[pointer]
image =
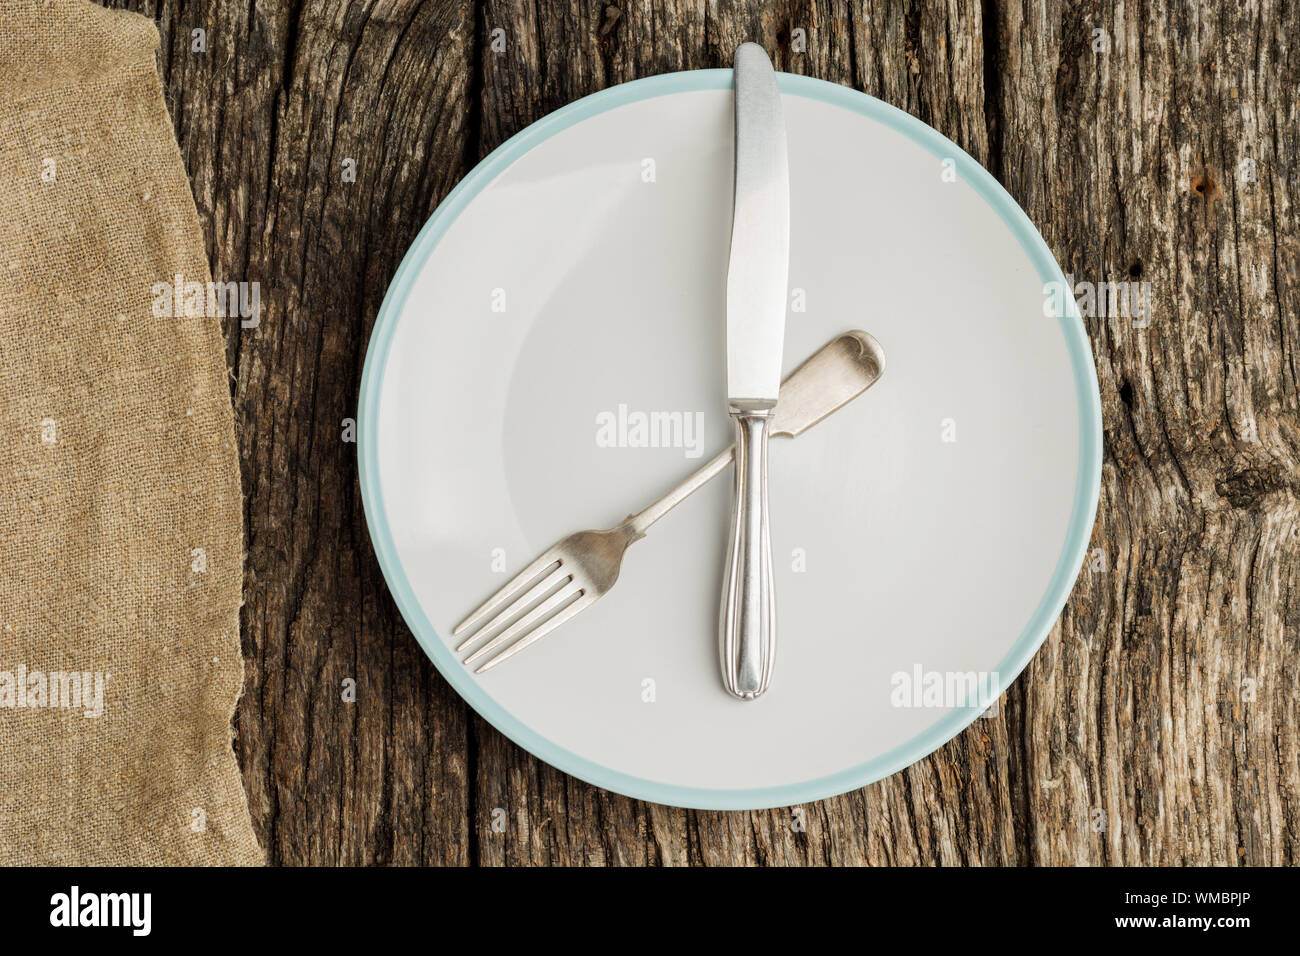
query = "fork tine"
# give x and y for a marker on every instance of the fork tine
(528, 620)
(549, 582)
(584, 601)
(545, 563)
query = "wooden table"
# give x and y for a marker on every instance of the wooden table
(1155, 142)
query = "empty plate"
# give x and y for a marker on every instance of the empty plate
(550, 357)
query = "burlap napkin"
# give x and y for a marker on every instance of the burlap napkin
(120, 520)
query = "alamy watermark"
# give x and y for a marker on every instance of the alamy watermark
(633, 429)
(75, 908)
(67, 690)
(193, 300)
(1125, 299)
(943, 689)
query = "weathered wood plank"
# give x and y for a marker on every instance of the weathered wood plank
(1139, 714)
(266, 117)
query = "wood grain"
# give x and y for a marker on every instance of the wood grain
(1159, 722)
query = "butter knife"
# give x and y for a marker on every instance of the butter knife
(757, 273)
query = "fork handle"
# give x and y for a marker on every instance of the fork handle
(747, 622)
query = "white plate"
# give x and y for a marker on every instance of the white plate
(899, 551)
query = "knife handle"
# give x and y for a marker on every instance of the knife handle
(747, 623)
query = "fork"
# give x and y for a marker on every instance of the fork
(579, 570)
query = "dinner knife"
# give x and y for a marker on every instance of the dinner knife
(756, 300)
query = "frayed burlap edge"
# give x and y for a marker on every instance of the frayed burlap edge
(120, 508)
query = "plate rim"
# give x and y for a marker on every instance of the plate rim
(953, 721)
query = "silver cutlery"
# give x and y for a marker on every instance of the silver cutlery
(756, 301)
(577, 571)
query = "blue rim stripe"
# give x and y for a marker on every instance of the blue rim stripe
(1087, 485)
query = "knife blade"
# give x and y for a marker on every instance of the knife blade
(758, 267)
(757, 272)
